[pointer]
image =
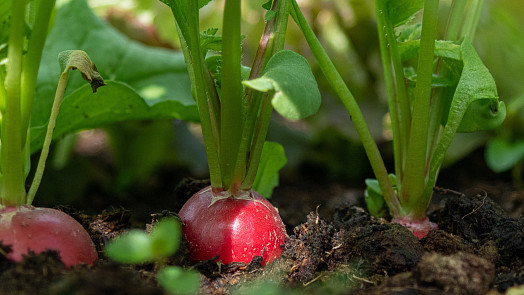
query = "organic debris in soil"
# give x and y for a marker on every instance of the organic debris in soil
(480, 221)
(373, 245)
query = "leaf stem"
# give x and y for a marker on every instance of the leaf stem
(12, 183)
(258, 141)
(398, 103)
(62, 83)
(231, 117)
(471, 22)
(414, 179)
(338, 85)
(188, 33)
(32, 59)
(271, 42)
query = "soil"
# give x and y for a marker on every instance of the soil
(334, 247)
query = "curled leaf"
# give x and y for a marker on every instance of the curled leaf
(476, 88)
(79, 60)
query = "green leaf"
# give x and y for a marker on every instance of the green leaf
(502, 155)
(289, 75)
(409, 32)
(475, 83)
(133, 247)
(152, 81)
(448, 49)
(81, 110)
(483, 114)
(273, 159)
(475, 103)
(399, 12)
(436, 80)
(210, 41)
(178, 281)
(374, 198)
(165, 237)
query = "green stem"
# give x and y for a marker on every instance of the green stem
(394, 101)
(13, 191)
(188, 32)
(253, 139)
(472, 20)
(337, 83)
(442, 97)
(231, 117)
(32, 59)
(455, 20)
(258, 142)
(415, 173)
(62, 83)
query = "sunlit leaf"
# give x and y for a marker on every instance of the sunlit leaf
(133, 247)
(289, 75)
(165, 237)
(179, 281)
(152, 82)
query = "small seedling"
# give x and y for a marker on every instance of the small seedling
(136, 247)
(22, 226)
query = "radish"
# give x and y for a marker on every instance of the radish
(28, 228)
(23, 227)
(234, 229)
(230, 219)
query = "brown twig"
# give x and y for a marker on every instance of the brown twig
(446, 191)
(477, 208)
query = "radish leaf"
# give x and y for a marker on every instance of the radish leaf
(272, 160)
(152, 81)
(502, 155)
(289, 75)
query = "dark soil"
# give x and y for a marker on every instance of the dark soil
(339, 249)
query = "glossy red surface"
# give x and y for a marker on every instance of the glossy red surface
(234, 229)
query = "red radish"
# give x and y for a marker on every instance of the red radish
(234, 229)
(419, 227)
(38, 229)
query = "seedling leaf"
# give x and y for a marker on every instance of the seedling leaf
(374, 198)
(133, 247)
(178, 281)
(289, 75)
(165, 237)
(272, 160)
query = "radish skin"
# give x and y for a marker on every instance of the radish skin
(236, 230)
(38, 229)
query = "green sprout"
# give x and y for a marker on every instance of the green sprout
(137, 247)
